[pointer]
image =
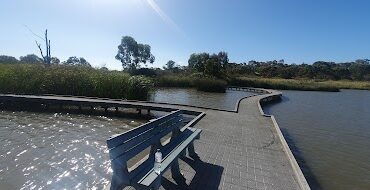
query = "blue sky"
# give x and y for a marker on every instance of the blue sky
(295, 30)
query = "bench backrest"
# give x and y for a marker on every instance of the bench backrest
(125, 146)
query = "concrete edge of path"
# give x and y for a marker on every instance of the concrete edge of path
(273, 95)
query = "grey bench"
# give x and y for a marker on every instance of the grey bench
(127, 145)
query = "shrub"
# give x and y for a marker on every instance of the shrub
(138, 87)
(210, 85)
(174, 81)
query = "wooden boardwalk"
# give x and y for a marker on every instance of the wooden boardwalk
(243, 149)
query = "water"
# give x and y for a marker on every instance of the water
(226, 101)
(56, 151)
(331, 132)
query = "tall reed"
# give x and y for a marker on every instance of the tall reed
(71, 80)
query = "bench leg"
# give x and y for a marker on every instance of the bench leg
(119, 177)
(157, 183)
(117, 183)
(175, 171)
(192, 152)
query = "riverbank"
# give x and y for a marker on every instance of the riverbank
(300, 84)
(80, 80)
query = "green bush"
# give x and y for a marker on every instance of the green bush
(138, 87)
(174, 81)
(210, 85)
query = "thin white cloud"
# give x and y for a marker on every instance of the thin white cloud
(164, 16)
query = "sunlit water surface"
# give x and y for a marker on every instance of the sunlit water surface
(56, 151)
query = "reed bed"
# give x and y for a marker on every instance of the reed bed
(71, 80)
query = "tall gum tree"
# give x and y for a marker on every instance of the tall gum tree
(132, 54)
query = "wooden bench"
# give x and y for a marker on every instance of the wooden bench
(141, 175)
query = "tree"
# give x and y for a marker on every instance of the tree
(76, 61)
(131, 53)
(170, 65)
(8, 59)
(47, 57)
(213, 65)
(197, 62)
(223, 59)
(30, 58)
(54, 60)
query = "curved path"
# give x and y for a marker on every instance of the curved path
(241, 150)
(238, 150)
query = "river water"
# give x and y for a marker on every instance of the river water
(329, 133)
(56, 150)
(225, 101)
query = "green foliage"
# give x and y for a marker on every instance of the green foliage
(358, 70)
(212, 65)
(139, 87)
(74, 80)
(8, 59)
(210, 85)
(131, 53)
(31, 59)
(174, 81)
(200, 83)
(75, 61)
(170, 65)
(144, 71)
(54, 60)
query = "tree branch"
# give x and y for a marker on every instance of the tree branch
(39, 46)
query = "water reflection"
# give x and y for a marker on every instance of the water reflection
(193, 97)
(41, 150)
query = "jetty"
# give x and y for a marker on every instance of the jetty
(238, 149)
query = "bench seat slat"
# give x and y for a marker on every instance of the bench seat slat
(166, 150)
(114, 154)
(147, 135)
(151, 176)
(119, 139)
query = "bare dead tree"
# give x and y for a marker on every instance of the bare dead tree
(47, 57)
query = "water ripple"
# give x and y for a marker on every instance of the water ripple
(56, 151)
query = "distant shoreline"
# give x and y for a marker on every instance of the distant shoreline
(301, 84)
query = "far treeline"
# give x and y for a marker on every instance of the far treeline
(207, 72)
(218, 66)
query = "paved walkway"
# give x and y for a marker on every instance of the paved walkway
(237, 151)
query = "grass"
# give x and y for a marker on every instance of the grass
(71, 80)
(346, 84)
(299, 84)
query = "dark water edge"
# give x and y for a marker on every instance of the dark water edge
(298, 154)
